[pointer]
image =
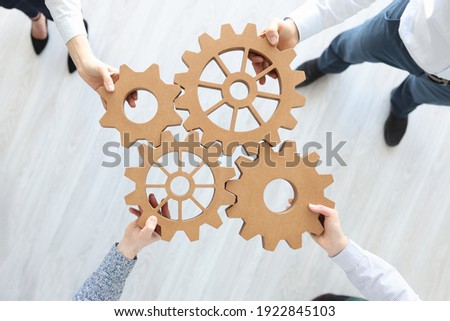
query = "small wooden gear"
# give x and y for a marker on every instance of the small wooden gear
(208, 214)
(308, 188)
(247, 42)
(128, 82)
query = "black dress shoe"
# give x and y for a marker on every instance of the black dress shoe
(39, 44)
(312, 72)
(70, 63)
(394, 129)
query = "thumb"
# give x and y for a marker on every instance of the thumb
(107, 80)
(151, 223)
(272, 32)
(320, 209)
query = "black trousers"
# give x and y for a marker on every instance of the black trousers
(29, 7)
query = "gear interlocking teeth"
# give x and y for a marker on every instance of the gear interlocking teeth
(308, 188)
(211, 50)
(128, 82)
(208, 215)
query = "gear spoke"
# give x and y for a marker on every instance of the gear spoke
(180, 210)
(222, 65)
(200, 206)
(155, 185)
(264, 72)
(210, 85)
(197, 168)
(256, 114)
(234, 119)
(165, 171)
(244, 59)
(160, 205)
(268, 95)
(213, 108)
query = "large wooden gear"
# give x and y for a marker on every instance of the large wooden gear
(248, 42)
(308, 188)
(208, 214)
(128, 82)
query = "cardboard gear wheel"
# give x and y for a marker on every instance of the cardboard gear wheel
(128, 82)
(208, 214)
(308, 188)
(248, 42)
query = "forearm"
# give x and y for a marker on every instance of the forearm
(373, 277)
(108, 281)
(79, 50)
(316, 15)
(68, 18)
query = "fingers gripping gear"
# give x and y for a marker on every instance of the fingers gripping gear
(208, 214)
(129, 82)
(249, 43)
(308, 188)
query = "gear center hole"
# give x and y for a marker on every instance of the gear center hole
(278, 195)
(239, 90)
(180, 186)
(145, 110)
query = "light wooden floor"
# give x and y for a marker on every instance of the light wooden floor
(61, 210)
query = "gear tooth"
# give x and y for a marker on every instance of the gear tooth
(290, 122)
(311, 159)
(289, 55)
(299, 76)
(232, 212)
(190, 124)
(327, 202)
(215, 221)
(182, 102)
(193, 136)
(288, 147)
(315, 228)
(229, 198)
(326, 180)
(153, 70)
(182, 79)
(103, 93)
(226, 30)
(243, 162)
(189, 58)
(174, 91)
(295, 243)
(231, 186)
(167, 136)
(246, 232)
(299, 100)
(193, 234)
(107, 121)
(125, 70)
(250, 30)
(133, 173)
(270, 244)
(205, 40)
(132, 198)
(167, 232)
(251, 149)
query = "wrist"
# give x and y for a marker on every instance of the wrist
(292, 29)
(80, 50)
(338, 246)
(127, 250)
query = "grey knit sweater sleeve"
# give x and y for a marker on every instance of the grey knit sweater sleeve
(108, 281)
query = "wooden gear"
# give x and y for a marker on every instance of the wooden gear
(128, 82)
(209, 214)
(308, 188)
(248, 42)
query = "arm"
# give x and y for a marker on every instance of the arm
(69, 21)
(373, 277)
(315, 16)
(108, 281)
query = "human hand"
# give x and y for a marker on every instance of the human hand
(135, 237)
(332, 239)
(280, 33)
(93, 71)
